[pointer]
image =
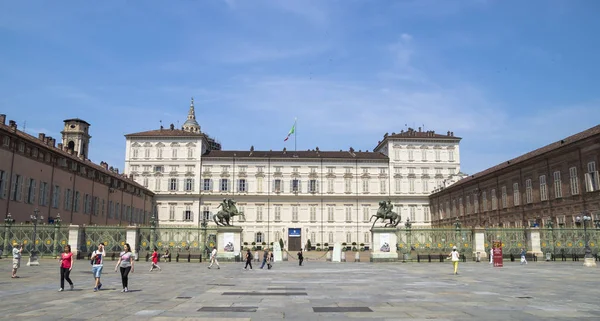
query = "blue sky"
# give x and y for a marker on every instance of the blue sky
(507, 76)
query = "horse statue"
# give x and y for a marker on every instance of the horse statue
(228, 211)
(385, 212)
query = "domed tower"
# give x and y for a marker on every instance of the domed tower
(76, 136)
(191, 125)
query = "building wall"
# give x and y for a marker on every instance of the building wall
(518, 191)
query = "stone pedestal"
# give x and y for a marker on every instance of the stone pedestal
(74, 239)
(384, 240)
(534, 245)
(589, 262)
(229, 239)
(277, 255)
(131, 237)
(479, 245)
(33, 259)
(336, 256)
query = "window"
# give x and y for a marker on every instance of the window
(366, 214)
(187, 215)
(68, 199)
(516, 195)
(259, 184)
(277, 213)
(528, 191)
(365, 185)
(330, 185)
(206, 169)
(76, 202)
(295, 185)
(189, 168)
(43, 200)
(117, 210)
(111, 209)
(426, 214)
(382, 170)
(313, 213)
(145, 182)
(135, 152)
(557, 185)
(173, 184)
(157, 184)
(312, 186)
(96, 207)
(494, 199)
(207, 184)
(484, 200)
(277, 186)
(365, 170)
(348, 214)
(171, 212)
(206, 213)
(102, 208)
(224, 169)
(451, 155)
(367, 237)
(174, 151)
(189, 184)
(190, 153)
(258, 237)
(146, 153)
(134, 168)
(174, 168)
(396, 155)
(294, 213)
(224, 186)
(56, 196)
(574, 181)
(383, 186)
(438, 156)
(475, 203)
(313, 237)
(242, 185)
(159, 169)
(398, 185)
(330, 170)
(330, 217)
(30, 188)
(259, 213)
(348, 185)
(3, 184)
(17, 184)
(348, 238)
(413, 216)
(330, 237)
(85, 203)
(159, 153)
(543, 188)
(592, 182)
(411, 155)
(424, 155)
(411, 185)
(146, 168)
(6, 141)
(468, 204)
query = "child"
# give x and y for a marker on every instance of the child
(155, 261)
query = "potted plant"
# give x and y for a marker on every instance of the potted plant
(308, 245)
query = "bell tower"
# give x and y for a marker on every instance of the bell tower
(75, 136)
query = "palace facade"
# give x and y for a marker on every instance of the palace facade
(550, 186)
(321, 196)
(59, 181)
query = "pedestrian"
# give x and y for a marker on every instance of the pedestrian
(265, 258)
(213, 258)
(248, 260)
(300, 258)
(97, 265)
(523, 259)
(455, 258)
(491, 255)
(125, 264)
(270, 260)
(66, 265)
(17, 250)
(155, 261)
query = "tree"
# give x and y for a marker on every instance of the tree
(308, 245)
(281, 243)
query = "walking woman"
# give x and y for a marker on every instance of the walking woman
(66, 265)
(248, 260)
(97, 265)
(125, 263)
(455, 258)
(155, 261)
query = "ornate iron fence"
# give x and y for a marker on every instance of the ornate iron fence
(569, 241)
(424, 241)
(49, 239)
(513, 239)
(113, 237)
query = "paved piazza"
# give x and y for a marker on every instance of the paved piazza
(316, 291)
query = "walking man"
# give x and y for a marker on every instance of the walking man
(300, 258)
(248, 260)
(491, 255)
(265, 257)
(523, 259)
(455, 256)
(17, 249)
(213, 258)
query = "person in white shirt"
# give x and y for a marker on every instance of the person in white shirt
(97, 265)
(16, 251)
(213, 258)
(455, 256)
(491, 255)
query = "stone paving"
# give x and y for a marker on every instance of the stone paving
(316, 291)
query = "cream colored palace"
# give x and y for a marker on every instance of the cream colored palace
(321, 196)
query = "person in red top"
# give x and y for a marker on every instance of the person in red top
(66, 264)
(155, 261)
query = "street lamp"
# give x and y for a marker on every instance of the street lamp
(457, 224)
(597, 221)
(33, 257)
(578, 219)
(204, 225)
(8, 221)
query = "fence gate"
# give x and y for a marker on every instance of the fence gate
(513, 239)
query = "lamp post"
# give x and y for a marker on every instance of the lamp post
(204, 225)
(588, 259)
(57, 221)
(8, 222)
(33, 256)
(152, 231)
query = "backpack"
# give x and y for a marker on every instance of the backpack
(250, 257)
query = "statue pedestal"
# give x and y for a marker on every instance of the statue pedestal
(33, 259)
(589, 262)
(229, 242)
(384, 240)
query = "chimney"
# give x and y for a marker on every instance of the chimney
(172, 127)
(106, 166)
(3, 119)
(41, 136)
(60, 146)
(13, 125)
(419, 129)
(45, 140)
(53, 142)
(70, 151)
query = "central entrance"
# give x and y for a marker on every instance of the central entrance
(294, 239)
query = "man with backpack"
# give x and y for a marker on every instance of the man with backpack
(248, 260)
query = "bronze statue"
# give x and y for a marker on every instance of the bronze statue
(228, 211)
(385, 212)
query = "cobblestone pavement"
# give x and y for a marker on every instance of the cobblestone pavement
(316, 291)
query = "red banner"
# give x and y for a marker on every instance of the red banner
(498, 254)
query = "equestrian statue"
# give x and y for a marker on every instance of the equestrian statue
(385, 212)
(227, 212)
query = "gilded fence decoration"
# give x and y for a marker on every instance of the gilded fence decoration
(513, 239)
(113, 237)
(568, 241)
(423, 241)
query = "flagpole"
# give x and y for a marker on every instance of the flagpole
(295, 130)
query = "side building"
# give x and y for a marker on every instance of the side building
(60, 181)
(296, 196)
(550, 186)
